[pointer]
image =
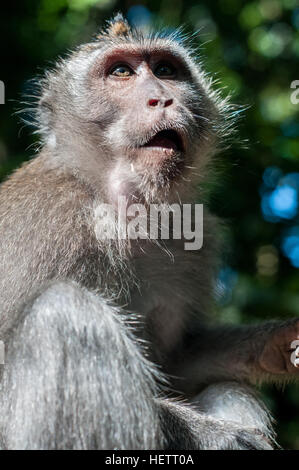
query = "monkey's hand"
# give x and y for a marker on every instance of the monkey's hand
(280, 354)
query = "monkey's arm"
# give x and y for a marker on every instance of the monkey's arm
(250, 353)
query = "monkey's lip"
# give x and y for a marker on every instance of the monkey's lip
(168, 139)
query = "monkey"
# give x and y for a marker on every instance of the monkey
(108, 340)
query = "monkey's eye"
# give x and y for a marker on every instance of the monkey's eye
(165, 70)
(122, 71)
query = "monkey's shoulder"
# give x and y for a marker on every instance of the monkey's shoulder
(39, 194)
(43, 212)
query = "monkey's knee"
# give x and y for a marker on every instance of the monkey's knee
(235, 402)
(187, 428)
(85, 383)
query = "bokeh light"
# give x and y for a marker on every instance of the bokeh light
(290, 245)
(281, 202)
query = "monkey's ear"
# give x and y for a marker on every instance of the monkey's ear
(118, 26)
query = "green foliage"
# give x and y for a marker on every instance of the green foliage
(251, 48)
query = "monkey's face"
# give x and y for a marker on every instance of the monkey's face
(143, 114)
(152, 118)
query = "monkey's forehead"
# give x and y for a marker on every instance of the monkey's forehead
(139, 37)
(145, 43)
(143, 46)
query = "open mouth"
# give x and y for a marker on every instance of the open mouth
(167, 139)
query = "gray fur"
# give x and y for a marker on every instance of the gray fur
(76, 369)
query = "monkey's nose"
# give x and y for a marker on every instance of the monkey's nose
(161, 102)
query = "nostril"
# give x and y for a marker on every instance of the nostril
(153, 102)
(168, 103)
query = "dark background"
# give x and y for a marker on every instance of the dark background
(252, 49)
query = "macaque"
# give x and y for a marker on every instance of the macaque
(108, 341)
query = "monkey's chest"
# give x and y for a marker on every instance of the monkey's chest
(160, 299)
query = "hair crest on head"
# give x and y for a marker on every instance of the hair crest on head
(116, 27)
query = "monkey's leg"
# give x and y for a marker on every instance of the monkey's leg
(74, 378)
(188, 428)
(235, 402)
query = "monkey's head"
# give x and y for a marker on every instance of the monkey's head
(133, 113)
